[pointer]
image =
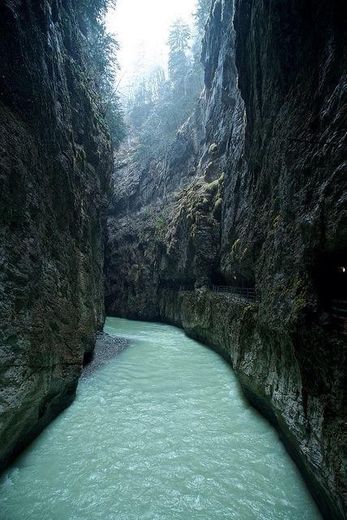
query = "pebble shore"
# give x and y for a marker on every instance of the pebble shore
(107, 347)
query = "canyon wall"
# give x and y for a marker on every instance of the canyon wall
(252, 195)
(55, 162)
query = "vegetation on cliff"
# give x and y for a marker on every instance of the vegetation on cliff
(161, 102)
(102, 48)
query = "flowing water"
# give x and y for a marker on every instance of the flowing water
(161, 432)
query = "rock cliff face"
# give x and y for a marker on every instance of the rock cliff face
(252, 195)
(55, 161)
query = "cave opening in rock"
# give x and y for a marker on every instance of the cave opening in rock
(331, 280)
(331, 277)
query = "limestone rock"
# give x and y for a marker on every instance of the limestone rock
(55, 161)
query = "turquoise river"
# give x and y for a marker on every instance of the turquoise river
(161, 432)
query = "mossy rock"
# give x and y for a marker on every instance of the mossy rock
(217, 210)
(213, 149)
(213, 187)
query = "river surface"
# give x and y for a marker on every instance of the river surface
(162, 432)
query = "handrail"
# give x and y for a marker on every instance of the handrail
(339, 313)
(247, 292)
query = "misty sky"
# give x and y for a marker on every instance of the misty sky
(142, 28)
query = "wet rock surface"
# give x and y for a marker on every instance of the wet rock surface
(55, 161)
(260, 202)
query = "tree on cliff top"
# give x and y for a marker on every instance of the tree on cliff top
(159, 106)
(179, 36)
(178, 41)
(103, 48)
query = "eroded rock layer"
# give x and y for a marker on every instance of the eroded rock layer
(55, 160)
(252, 195)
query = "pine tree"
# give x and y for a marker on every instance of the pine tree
(102, 48)
(178, 41)
(158, 107)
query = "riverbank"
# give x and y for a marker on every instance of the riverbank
(106, 348)
(162, 431)
(264, 359)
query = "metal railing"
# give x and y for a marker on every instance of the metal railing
(246, 292)
(339, 313)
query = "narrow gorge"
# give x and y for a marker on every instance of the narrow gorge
(252, 195)
(234, 231)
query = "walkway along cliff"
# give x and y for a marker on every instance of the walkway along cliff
(251, 195)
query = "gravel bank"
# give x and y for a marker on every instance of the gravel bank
(107, 347)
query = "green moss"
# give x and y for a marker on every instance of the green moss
(160, 227)
(217, 210)
(276, 221)
(213, 148)
(235, 248)
(212, 187)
